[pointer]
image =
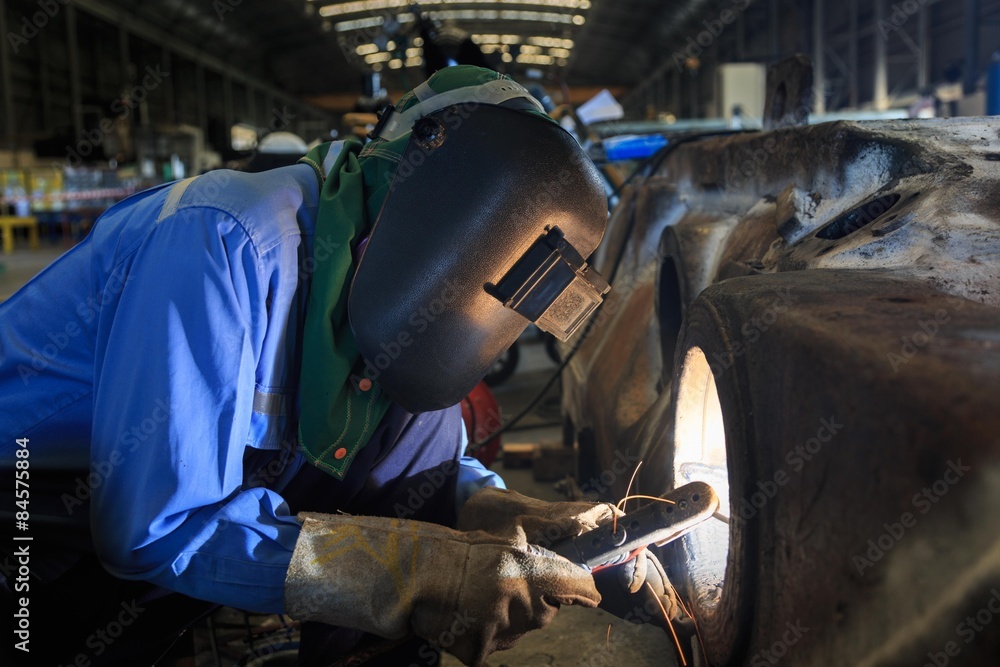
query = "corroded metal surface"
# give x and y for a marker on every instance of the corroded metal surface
(884, 239)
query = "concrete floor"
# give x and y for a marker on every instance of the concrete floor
(20, 266)
(577, 637)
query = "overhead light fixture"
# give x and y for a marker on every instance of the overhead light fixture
(360, 24)
(551, 42)
(396, 63)
(466, 15)
(366, 49)
(531, 59)
(362, 6)
(495, 39)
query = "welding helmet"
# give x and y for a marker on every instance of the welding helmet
(487, 220)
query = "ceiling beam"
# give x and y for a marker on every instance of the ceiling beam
(159, 37)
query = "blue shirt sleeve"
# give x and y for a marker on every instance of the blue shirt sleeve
(473, 476)
(174, 382)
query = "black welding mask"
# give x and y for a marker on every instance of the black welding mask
(489, 218)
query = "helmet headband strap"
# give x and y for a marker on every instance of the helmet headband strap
(393, 124)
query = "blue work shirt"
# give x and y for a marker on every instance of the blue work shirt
(157, 353)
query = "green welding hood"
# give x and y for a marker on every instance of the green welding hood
(486, 226)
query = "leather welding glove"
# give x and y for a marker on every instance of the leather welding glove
(624, 592)
(470, 593)
(622, 587)
(501, 512)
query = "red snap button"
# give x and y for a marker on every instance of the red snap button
(340, 453)
(365, 384)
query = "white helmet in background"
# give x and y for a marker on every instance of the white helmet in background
(282, 143)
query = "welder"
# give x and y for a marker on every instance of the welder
(258, 376)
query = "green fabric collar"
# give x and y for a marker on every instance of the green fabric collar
(338, 407)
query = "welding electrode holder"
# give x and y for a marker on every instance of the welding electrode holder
(656, 523)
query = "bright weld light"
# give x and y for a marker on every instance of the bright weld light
(700, 455)
(361, 6)
(366, 49)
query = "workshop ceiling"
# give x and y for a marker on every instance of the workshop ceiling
(280, 40)
(311, 47)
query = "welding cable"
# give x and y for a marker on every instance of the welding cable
(649, 165)
(653, 162)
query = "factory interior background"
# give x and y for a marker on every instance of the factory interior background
(832, 164)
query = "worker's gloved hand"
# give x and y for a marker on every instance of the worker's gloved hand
(623, 588)
(631, 590)
(502, 512)
(471, 593)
